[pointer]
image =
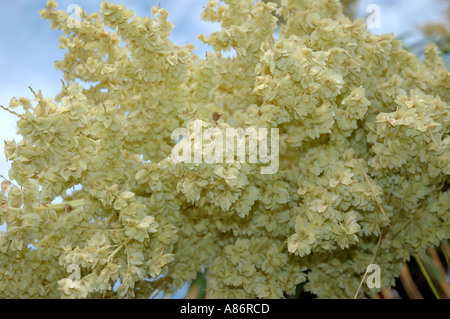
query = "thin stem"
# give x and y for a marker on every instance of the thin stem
(63, 206)
(31, 89)
(11, 111)
(367, 269)
(428, 279)
(289, 275)
(444, 248)
(373, 192)
(98, 230)
(440, 268)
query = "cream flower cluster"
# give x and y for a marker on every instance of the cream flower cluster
(363, 125)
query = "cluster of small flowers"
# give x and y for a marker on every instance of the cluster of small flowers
(361, 121)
